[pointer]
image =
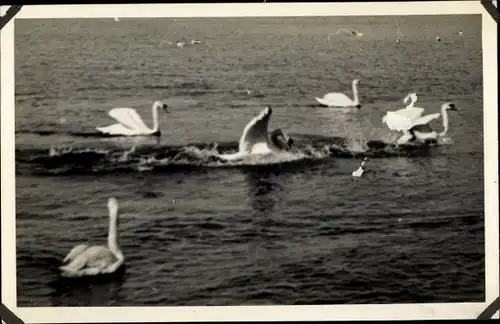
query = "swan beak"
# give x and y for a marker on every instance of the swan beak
(453, 107)
(165, 108)
(358, 106)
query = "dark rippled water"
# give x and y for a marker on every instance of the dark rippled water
(295, 229)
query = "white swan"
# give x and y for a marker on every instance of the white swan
(350, 32)
(131, 124)
(194, 41)
(180, 44)
(336, 99)
(255, 139)
(84, 260)
(420, 129)
(402, 119)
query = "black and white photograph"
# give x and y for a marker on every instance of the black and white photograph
(250, 161)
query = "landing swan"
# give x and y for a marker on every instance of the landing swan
(336, 99)
(255, 139)
(84, 260)
(416, 127)
(402, 119)
(131, 124)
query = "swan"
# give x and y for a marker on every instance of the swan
(401, 120)
(336, 99)
(347, 31)
(84, 260)
(438, 38)
(255, 139)
(193, 41)
(420, 129)
(180, 44)
(131, 124)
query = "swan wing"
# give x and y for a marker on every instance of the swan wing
(411, 112)
(117, 129)
(255, 132)
(322, 101)
(74, 252)
(397, 122)
(92, 261)
(129, 118)
(337, 99)
(426, 119)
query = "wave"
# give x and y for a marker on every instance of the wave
(108, 157)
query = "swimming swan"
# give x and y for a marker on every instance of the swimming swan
(131, 124)
(84, 260)
(336, 99)
(255, 139)
(420, 129)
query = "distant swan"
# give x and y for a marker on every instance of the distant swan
(193, 41)
(419, 126)
(336, 99)
(84, 260)
(131, 124)
(180, 44)
(255, 139)
(350, 32)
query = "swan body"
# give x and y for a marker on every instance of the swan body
(336, 99)
(84, 260)
(350, 32)
(402, 119)
(131, 124)
(255, 139)
(419, 125)
(180, 44)
(193, 41)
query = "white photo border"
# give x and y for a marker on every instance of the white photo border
(252, 313)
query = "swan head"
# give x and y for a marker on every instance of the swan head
(113, 207)
(161, 105)
(449, 106)
(281, 140)
(355, 81)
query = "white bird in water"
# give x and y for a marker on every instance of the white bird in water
(359, 171)
(438, 38)
(180, 44)
(193, 41)
(349, 32)
(255, 139)
(131, 124)
(393, 119)
(336, 99)
(416, 127)
(460, 33)
(84, 260)
(116, 19)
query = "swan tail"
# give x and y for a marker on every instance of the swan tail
(322, 101)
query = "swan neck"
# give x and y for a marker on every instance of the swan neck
(444, 113)
(155, 118)
(355, 93)
(113, 233)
